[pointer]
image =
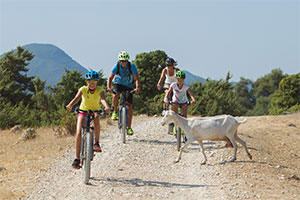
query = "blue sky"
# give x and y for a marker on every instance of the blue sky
(206, 37)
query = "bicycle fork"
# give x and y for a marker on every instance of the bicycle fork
(121, 115)
(83, 141)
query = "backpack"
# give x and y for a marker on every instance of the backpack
(129, 68)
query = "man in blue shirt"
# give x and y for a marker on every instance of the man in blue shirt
(122, 76)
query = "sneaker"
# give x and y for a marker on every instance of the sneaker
(129, 131)
(114, 116)
(76, 164)
(97, 147)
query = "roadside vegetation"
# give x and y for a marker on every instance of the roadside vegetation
(26, 101)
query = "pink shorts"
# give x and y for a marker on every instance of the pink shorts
(82, 114)
(182, 104)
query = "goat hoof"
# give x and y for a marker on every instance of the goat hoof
(203, 163)
(176, 161)
(250, 156)
(232, 160)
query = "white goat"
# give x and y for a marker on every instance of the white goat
(216, 128)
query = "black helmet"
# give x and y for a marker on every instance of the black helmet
(170, 61)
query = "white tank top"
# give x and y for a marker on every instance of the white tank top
(179, 95)
(170, 79)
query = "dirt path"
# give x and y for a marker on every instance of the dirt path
(144, 169)
(141, 169)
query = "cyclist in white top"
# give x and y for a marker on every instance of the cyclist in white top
(180, 91)
(168, 73)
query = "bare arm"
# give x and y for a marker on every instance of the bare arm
(104, 102)
(166, 99)
(161, 79)
(192, 96)
(110, 78)
(137, 82)
(74, 101)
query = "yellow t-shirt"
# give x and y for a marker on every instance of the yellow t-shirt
(90, 101)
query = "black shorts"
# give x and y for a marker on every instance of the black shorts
(120, 88)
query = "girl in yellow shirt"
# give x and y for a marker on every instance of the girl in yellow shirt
(90, 96)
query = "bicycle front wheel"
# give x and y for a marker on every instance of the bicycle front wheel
(88, 147)
(124, 124)
(178, 134)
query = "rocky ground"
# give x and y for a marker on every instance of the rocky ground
(144, 169)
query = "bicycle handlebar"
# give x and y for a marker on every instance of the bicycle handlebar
(130, 91)
(89, 112)
(173, 103)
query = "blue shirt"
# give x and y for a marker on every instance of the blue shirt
(124, 77)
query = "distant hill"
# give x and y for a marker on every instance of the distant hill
(191, 78)
(50, 62)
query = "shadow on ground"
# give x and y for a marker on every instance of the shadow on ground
(136, 182)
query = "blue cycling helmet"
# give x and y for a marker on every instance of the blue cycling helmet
(92, 75)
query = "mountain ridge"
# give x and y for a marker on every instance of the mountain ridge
(50, 62)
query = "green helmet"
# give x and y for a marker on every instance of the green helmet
(180, 74)
(123, 55)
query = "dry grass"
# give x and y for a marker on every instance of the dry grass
(22, 161)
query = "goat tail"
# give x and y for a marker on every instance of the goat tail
(243, 121)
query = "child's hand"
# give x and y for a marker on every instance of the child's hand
(158, 87)
(107, 110)
(137, 90)
(193, 102)
(166, 100)
(68, 107)
(109, 90)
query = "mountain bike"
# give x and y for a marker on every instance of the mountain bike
(123, 114)
(171, 125)
(179, 134)
(87, 138)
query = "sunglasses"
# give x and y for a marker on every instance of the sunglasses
(180, 80)
(91, 82)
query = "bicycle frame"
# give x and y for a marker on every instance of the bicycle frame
(123, 114)
(85, 130)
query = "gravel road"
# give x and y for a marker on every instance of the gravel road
(141, 169)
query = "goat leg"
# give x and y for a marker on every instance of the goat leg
(235, 148)
(243, 143)
(228, 143)
(202, 150)
(181, 149)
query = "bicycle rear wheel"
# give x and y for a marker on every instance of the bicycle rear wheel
(88, 151)
(178, 135)
(123, 124)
